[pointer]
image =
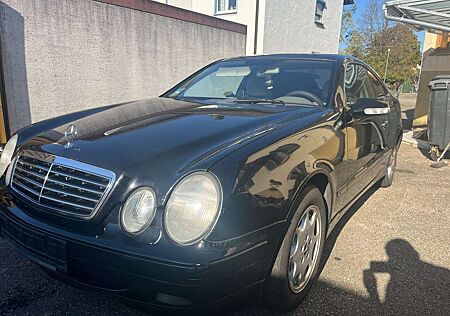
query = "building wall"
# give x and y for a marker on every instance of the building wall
(62, 56)
(245, 15)
(435, 41)
(290, 28)
(285, 26)
(184, 4)
(430, 41)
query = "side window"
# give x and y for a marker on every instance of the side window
(357, 83)
(377, 86)
(226, 6)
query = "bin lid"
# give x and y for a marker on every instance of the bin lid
(441, 77)
(440, 82)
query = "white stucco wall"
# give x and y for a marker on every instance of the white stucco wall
(290, 28)
(285, 26)
(184, 4)
(245, 15)
(63, 56)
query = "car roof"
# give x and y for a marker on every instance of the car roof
(334, 57)
(340, 59)
(331, 57)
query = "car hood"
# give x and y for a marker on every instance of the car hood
(161, 138)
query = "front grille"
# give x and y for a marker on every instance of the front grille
(61, 185)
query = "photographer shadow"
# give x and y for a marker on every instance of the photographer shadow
(415, 287)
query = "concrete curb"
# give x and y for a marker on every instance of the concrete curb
(408, 138)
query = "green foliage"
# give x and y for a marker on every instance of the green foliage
(356, 45)
(372, 37)
(404, 57)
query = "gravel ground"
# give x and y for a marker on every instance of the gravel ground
(388, 255)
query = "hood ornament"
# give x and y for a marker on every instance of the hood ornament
(70, 134)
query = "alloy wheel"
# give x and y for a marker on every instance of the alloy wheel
(305, 246)
(392, 163)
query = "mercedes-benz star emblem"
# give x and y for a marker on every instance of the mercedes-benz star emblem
(70, 134)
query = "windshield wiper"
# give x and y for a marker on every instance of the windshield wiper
(255, 101)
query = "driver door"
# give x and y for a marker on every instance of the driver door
(365, 136)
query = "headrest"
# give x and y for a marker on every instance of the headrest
(257, 87)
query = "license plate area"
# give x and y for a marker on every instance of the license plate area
(43, 249)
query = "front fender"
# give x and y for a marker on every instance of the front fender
(260, 187)
(326, 183)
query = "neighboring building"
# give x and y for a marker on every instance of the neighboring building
(278, 26)
(435, 41)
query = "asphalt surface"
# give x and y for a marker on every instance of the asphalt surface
(389, 255)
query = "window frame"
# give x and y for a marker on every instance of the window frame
(367, 84)
(227, 4)
(370, 72)
(320, 20)
(375, 77)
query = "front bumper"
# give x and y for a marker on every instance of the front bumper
(89, 261)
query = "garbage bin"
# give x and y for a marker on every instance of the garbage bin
(439, 113)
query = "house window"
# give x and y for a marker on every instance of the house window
(320, 7)
(226, 6)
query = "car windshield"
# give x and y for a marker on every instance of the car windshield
(253, 80)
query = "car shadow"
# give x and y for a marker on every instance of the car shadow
(331, 240)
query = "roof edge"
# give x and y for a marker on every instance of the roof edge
(169, 11)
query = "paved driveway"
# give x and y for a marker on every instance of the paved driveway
(389, 255)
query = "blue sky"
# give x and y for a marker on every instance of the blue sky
(362, 5)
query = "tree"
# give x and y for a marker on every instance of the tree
(356, 45)
(372, 20)
(347, 24)
(405, 52)
(373, 35)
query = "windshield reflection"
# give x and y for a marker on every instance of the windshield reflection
(278, 82)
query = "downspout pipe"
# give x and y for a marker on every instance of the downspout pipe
(255, 40)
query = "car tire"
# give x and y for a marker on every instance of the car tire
(390, 169)
(283, 291)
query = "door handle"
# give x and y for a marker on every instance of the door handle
(338, 125)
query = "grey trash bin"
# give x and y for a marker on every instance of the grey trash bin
(439, 114)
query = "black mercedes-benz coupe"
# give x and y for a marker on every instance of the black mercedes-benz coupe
(223, 188)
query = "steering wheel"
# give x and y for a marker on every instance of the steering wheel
(306, 95)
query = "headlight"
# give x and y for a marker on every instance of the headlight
(193, 208)
(138, 211)
(9, 172)
(7, 153)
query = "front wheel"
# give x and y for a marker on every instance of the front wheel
(298, 259)
(390, 169)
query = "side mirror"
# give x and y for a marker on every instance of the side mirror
(369, 107)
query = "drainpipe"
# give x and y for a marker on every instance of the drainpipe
(255, 41)
(6, 132)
